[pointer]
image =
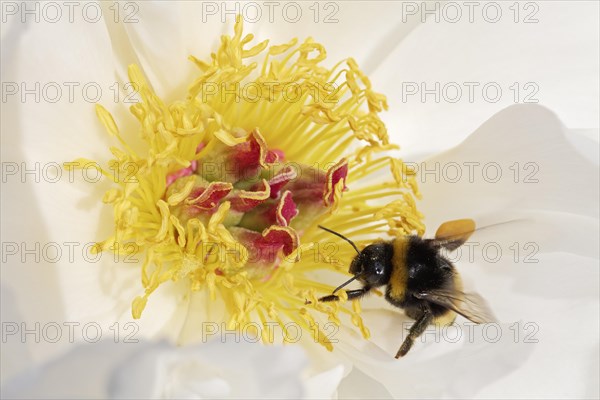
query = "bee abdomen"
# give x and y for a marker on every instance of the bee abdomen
(397, 286)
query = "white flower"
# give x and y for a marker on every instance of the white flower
(557, 296)
(159, 370)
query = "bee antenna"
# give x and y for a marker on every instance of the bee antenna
(344, 284)
(341, 236)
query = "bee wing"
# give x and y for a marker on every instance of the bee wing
(470, 305)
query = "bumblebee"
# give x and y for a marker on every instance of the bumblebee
(418, 278)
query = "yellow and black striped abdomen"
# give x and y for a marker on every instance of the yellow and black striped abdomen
(399, 277)
(418, 268)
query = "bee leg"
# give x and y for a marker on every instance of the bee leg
(352, 294)
(331, 297)
(415, 331)
(355, 294)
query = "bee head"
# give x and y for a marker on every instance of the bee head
(373, 266)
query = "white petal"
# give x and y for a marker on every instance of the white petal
(160, 36)
(51, 213)
(541, 307)
(166, 34)
(50, 120)
(83, 372)
(325, 384)
(562, 69)
(213, 370)
(52, 113)
(159, 370)
(15, 355)
(519, 160)
(586, 142)
(542, 285)
(358, 385)
(346, 29)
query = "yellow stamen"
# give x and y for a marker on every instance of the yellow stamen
(286, 101)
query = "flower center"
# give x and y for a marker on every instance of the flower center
(235, 179)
